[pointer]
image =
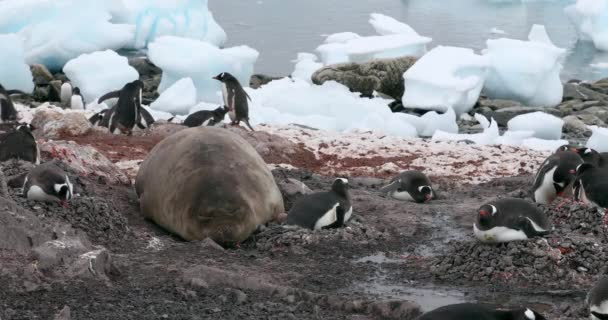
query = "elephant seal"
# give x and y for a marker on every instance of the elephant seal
(207, 182)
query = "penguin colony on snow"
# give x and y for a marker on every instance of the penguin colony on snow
(578, 173)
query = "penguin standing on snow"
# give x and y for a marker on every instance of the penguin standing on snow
(323, 210)
(235, 98)
(410, 186)
(20, 144)
(76, 101)
(510, 219)
(127, 112)
(473, 311)
(597, 300)
(595, 158)
(206, 117)
(591, 186)
(7, 108)
(49, 183)
(555, 176)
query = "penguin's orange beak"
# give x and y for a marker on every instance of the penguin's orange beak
(428, 197)
(483, 213)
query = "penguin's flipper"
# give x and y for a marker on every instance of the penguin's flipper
(247, 123)
(146, 116)
(340, 213)
(12, 92)
(393, 186)
(247, 95)
(109, 95)
(600, 316)
(525, 224)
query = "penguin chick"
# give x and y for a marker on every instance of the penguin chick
(323, 210)
(597, 300)
(510, 219)
(595, 158)
(410, 186)
(555, 176)
(48, 183)
(235, 98)
(206, 117)
(474, 311)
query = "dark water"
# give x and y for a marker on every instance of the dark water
(279, 29)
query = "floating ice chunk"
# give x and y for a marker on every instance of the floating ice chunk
(306, 65)
(488, 136)
(545, 126)
(385, 25)
(433, 121)
(59, 30)
(175, 57)
(99, 72)
(330, 106)
(599, 139)
(514, 138)
(525, 71)
(590, 18)
(445, 77)
(15, 74)
(497, 31)
(341, 37)
(178, 99)
(155, 18)
(543, 145)
(375, 47)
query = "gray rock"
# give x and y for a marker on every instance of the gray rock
(144, 67)
(502, 116)
(590, 119)
(582, 92)
(238, 296)
(395, 309)
(293, 187)
(95, 264)
(209, 244)
(572, 124)
(55, 90)
(258, 80)
(64, 314)
(381, 75)
(56, 252)
(41, 93)
(41, 74)
(601, 112)
(495, 104)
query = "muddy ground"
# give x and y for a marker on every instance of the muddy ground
(391, 254)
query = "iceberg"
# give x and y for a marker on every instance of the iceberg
(156, 18)
(175, 57)
(306, 65)
(385, 25)
(99, 72)
(59, 30)
(433, 121)
(599, 139)
(544, 126)
(330, 106)
(525, 71)
(488, 136)
(590, 17)
(445, 77)
(15, 74)
(177, 99)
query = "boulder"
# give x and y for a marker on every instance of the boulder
(582, 92)
(381, 75)
(207, 182)
(601, 112)
(258, 80)
(572, 124)
(41, 74)
(495, 104)
(56, 124)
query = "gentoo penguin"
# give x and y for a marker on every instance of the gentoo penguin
(555, 176)
(567, 147)
(591, 185)
(597, 300)
(510, 219)
(49, 183)
(474, 311)
(96, 118)
(235, 98)
(410, 186)
(7, 108)
(20, 144)
(323, 210)
(76, 101)
(127, 112)
(206, 117)
(66, 93)
(595, 158)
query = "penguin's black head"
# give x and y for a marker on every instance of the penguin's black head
(426, 192)
(485, 214)
(76, 91)
(25, 127)
(221, 77)
(527, 314)
(340, 186)
(566, 147)
(220, 111)
(589, 155)
(63, 192)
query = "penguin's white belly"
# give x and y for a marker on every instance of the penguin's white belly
(206, 122)
(403, 196)
(546, 192)
(66, 92)
(232, 115)
(76, 103)
(499, 234)
(328, 218)
(37, 194)
(602, 308)
(348, 214)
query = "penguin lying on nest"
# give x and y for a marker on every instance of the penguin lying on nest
(323, 210)
(47, 182)
(510, 219)
(591, 187)
(206, 117)
(597, 300)
(410, 186)
(473, 311)
(20, 144)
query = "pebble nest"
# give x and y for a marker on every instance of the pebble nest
(572, 256)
